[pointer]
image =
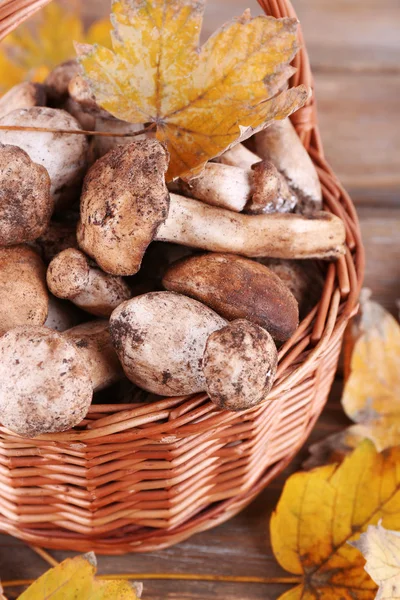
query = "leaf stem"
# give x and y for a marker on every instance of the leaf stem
(177, 577)
(78, 131)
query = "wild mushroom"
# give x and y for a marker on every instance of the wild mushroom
(57, 81)
(303, 278)
(239, 365)
(58, 236)
(124, 206)
(280, 144)
(24, 298)
(238, 156)
(195, 224)
(23, 95)
(270, 191)
(64, 156)
(26, 204)
(166, 346)
(71, 276)
(123, 202)
(47, 378)
(237, 288)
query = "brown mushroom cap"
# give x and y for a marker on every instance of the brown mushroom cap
(160, 339)
(44, 384)
(58, 80)
(237, 288)
(239, 364)
(124, 201)
(68, 273)
(71, 276)
(26, 204)
(24, 298)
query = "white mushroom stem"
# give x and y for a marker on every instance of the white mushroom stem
(71, 276)
(94, 343)
(280, 144)
(221, 185)
(238, 156)
(192, 223)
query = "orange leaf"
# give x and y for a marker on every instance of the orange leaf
(320, 511)
(202, 100)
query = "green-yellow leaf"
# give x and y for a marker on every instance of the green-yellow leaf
(74, 579)
(200, 99)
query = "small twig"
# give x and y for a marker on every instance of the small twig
(78, 131)
(178, 577)
(45, 555)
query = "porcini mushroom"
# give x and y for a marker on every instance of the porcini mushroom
(280, 144)
(123, 202)
(24, 298)
(71, 276)
(63, 156)
(239, 365)
(195, 224)
(166, 346)
(47, 378)
(124, 206)
(270, 191)
(239, 156)
(237, 288)
(26, 204)
(22, 95)
(57, 81)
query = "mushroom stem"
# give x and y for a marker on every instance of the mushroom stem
(94, 343)
(238, 156)
(71, 276)
(192, 223)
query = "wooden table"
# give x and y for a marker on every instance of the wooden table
(355, 53)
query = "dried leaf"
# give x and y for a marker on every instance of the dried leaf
(320, 511)
(381, 548)
(75, 578)
(201, 99)
(32, 51)
(371, 396)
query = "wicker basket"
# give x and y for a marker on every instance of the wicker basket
(136, 478)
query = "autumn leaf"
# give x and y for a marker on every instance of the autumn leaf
(371, 396)
(320, 511)
(200, 99)
(381, 548)
(33, 50)
(75, 578)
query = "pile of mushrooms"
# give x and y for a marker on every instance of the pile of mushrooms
(109, 275)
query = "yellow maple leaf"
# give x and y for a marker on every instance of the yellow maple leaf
(75, 578)
(320, 511)
(381, 548)
(33, 50)
(200, 99)
(371, 396)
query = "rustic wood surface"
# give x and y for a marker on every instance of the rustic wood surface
(355, 53)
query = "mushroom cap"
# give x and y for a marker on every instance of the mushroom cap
(160, 339)
(59, 78)
(236, 288)
(239, 365)
(124, 201)
(44, 383)
(26, 204)
(68, 273)
(23, 95)
(24, 298)
(63, 156)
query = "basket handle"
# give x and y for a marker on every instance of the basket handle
(15, 12)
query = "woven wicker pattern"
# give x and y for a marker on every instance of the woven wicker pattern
(15, 12)
(136, 478)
